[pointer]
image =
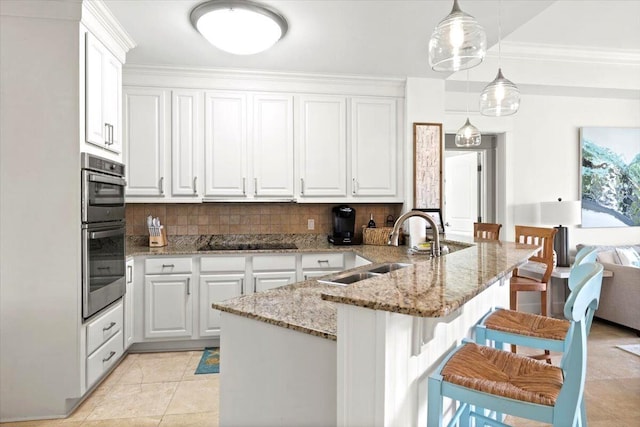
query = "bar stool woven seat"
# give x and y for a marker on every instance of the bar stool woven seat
(502, 373)
(532, 325)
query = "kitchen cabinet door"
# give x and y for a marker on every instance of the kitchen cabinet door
(168, 306)
(103, 77)
(263, 281)
(373, 147)
(225, 144)
(128, 306)
(186, 142)
(216, 288)
(323, 146)
(272, 146)
(145, 132)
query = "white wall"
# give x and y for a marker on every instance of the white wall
(424, 103)
(542, 154)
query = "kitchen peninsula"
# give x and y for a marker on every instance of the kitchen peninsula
(319, 354)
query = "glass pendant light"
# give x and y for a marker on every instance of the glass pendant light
(501, 97)
(458, 42)
(468, 135)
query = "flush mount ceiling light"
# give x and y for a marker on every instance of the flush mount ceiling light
(501, 97)
(457, 43)
(241, 27)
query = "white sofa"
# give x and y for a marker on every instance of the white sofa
(620, 297)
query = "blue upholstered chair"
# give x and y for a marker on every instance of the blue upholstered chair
(506, 383)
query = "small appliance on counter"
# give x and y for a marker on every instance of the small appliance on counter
(344, 221)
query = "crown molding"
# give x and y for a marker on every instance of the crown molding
(100, 21)
(566, 53)
(225, 78)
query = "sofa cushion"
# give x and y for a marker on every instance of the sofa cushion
(608, 256)
(628, 256)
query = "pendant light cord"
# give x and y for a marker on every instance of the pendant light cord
(499, 34)
(467, 94)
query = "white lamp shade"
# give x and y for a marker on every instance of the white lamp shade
(240, 27)
(560, 212)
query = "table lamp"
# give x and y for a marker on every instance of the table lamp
(562, 213)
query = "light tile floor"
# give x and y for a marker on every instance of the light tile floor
(160, 389)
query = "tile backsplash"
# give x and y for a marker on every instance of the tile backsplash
(249, 218)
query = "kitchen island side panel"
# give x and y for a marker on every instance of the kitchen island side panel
(271, 375)
(385, 358)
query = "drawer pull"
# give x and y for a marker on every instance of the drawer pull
(168, 266)
(320, 261)
(104, 268)
(111, 354)
(111, 325)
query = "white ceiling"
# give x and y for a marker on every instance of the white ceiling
(380, 38)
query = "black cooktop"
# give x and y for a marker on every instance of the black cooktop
(246, 246)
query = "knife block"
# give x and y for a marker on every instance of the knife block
(158, 240)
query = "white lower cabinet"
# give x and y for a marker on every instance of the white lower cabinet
(104, 343)
(321, 264)
(168, 303)
(266, 280)
(273, 271)
(221, 278)
(168, 306)
(175, 301)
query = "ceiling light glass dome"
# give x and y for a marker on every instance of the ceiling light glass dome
(241, 27)
(457, 43)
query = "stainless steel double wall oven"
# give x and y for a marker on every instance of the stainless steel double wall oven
(103, 233)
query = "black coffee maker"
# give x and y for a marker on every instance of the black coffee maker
(344, 220)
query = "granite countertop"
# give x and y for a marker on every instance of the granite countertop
(426, 288)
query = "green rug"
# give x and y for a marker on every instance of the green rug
(210, 361)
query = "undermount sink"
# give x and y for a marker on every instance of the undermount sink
(350, 278)
(388, 268)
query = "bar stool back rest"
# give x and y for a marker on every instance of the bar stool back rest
(538, 236)
(486, 230)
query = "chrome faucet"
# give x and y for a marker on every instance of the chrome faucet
(395, 234)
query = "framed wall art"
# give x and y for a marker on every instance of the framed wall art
(427, 165)
(610, 176)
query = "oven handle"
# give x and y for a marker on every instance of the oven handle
(107, 233)
(107, 179)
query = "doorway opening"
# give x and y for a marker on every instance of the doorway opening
(470, 184)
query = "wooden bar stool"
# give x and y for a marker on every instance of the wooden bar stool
(520, 283)
(486, 230)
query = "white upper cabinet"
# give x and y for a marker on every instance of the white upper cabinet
(186, 143)
(315, 141)
(323, 146)
(145, 131)
(272, 146)
(225, 147)
(102, 95)
(373, 147)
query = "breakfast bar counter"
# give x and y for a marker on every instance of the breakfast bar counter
(319, 354)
